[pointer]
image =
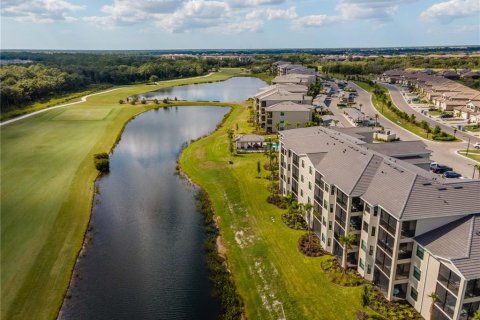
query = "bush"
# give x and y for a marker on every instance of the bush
(102, 162)
(121, 101)
(388, 309)
(309, 245)
(294, 221)
(277, 200)
(144, 101)
(335, 274)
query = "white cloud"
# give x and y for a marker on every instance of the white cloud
(348, 10)
(124, 12)
(272, 14)
(195, 14)
(40, 11)
(255, 3)
(452, 9)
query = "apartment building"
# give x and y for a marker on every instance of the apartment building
(302, 79)
(287, 115)
(276, 94)
(416, 233)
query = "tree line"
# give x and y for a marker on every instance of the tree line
(52, 74)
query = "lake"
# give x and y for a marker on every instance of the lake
(146, 259)
(233, 89)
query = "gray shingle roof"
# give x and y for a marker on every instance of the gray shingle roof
(289, 106)
(250, 138)
(399, 148)
(404, 190)
(459, 242)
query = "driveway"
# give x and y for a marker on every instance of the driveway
(442, 152)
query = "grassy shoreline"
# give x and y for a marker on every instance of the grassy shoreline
(273, 278)
(47, 181)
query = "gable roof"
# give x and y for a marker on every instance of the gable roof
(458, 242)
(289, 106)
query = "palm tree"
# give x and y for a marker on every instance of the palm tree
(286, 124)
(277, 125)
(335, 122)
(346, 241)
(297, 124)
(434, 298)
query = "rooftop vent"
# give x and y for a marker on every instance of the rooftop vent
(427, 184)
(442, 189)
(458, 187)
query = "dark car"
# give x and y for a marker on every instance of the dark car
(452, 174)
(446, 115)
(440, 168)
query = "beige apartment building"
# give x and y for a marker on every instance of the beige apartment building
(287, 115)
(277, 94)
(416, 233)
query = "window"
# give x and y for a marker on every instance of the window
(369, 269)
(325, 204)
(301, 192)
(413, 293)
(365, 226)
(323, 238)
(303, 164)
(326, 187)
(301, 177)
(309, 201)
(361, 264)
(329, 225)
(364, 246)
(324, 221)
(420, 252)
(329, 242)
(282, 114)
(374, 229)
(309, 185)
(417, 273)
(310, 170)
(370, 251)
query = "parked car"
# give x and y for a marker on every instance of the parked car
(446, 115)
(477, 145)
(439, 168)
(451, 174)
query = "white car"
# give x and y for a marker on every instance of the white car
(477, 145)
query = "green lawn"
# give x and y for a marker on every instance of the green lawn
(473, 154)
(47, 177)
(473, 128)
(365, 86)
(274, 279)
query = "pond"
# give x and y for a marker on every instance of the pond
(145, 258)
(233, 89)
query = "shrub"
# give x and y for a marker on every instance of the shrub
(309, 245)
(144, 101)
(294, 221)
(155, 101)
(336, 275)
(121, 101)
(362, 315)
(102, 162)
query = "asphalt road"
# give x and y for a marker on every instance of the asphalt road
(442, 152)
(400, 102)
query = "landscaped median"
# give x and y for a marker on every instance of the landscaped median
(47, 182)
(472, 154)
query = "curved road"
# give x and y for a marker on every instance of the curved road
(82, 100)
(400, 102)
(442, 152)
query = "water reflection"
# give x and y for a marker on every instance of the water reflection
(233, 89)
(146, 260)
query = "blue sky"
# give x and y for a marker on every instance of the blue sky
(183, 24)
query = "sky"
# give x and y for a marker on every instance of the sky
(236, 24)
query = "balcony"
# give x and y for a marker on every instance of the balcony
(355, 223)
(340, 217)
(403, 271)
(400, 291)
(408, 229)
(405, 251)
(357, 205)
(473, 289)
(388, 222)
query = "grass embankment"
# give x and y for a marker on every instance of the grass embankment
(274, 279)
(47, 181)
(473, 154)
